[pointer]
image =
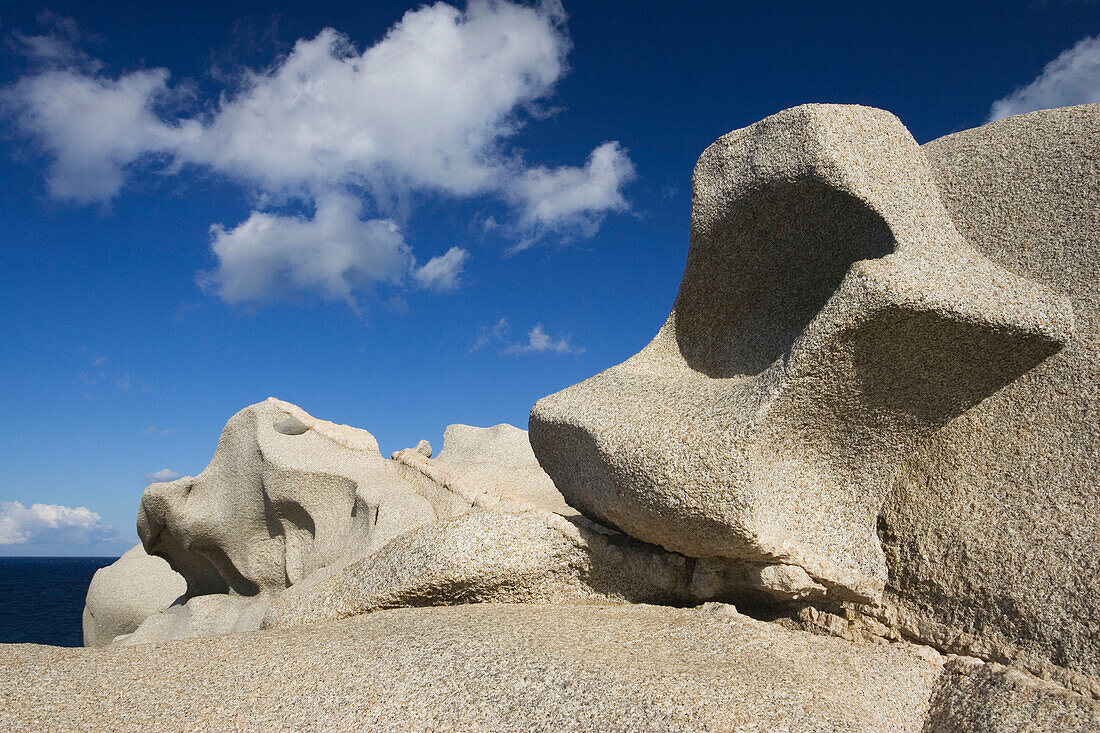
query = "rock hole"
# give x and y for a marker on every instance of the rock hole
(291, 426)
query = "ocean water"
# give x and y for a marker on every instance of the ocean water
(42, 598)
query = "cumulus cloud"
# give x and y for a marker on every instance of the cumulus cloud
(164, 474)
(270, 256)
(352, 135)
(1071, 78)
(50, 523)
(575, 196)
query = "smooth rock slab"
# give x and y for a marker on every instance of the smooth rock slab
(480, 667)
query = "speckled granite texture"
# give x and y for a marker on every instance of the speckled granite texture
(830, 318)
(480, 667)
(870, 421)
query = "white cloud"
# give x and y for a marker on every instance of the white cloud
(164, 474)
(442, 273)
(428, 108)
(539, 341)
(569, 196)
(270, 256)
(50, 523)
(1071, 78)
(93, 128)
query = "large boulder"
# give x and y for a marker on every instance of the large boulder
(482, 667)
(127, 592)
(992, 525)
(830, 318)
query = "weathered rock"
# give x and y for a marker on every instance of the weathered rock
(125, 593)
(480, 667)
(830, 318)
(977, 697)
(992, 527)
(497, 531)
(492, 555)
(508, 543)
(285, 495)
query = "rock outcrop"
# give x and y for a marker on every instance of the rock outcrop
(870, 422)
(992, 525)
(285, 495)
(830, 318)
(127, 592)
(299, 521)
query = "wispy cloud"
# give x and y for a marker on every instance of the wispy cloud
(102, 375)
(538, 340)
(158, 430)
(335, 144)
(51, 523)
(442, 273)
(489, 334)
(1071, 78)
(164, 474)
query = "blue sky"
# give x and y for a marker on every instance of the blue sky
(395, 216)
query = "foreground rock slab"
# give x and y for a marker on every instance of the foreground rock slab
(481, 667)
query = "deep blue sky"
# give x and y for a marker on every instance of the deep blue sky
(115, 364)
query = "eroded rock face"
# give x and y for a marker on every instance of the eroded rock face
(992, 525)
(510, 538)
(299, 521)
(127, 592)
(284, 496)
(830, 318)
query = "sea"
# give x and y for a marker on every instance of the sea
(42, 598)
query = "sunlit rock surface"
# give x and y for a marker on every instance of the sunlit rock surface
(830, 318)
(870, 423)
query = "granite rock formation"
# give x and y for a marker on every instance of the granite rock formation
(285, 495)
(830, 318)
(992, 525)
(299, 521)
(870, 422)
